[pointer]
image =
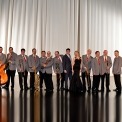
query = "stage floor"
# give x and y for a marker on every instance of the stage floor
(59, 106)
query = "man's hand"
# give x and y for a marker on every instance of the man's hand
(33, 68)
(10, 61)
(65, 71)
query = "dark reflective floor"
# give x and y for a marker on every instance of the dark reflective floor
(59, 106)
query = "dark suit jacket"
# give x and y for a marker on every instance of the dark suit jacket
(67, 63)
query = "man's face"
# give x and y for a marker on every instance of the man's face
(98, 54)
(48, 54)
(10, 50)
(43, 54)
(105, 53)
(67, 51)
(116, 54)
(1, 49)
(23, 52)
(34, 51)
(56, 54)
(89, 52)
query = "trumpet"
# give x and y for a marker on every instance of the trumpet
(58, 69)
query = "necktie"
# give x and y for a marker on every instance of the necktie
(87, 59)
(98, 61)
(105, 58)
(24, 58)
(35, 58)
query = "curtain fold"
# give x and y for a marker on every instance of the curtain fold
(58, 24)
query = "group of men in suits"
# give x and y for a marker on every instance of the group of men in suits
(62, 66)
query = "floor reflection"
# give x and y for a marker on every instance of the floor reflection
(28, 106)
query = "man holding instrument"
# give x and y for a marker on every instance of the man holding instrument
(2, 59)
(34, 64)
(11, 67)
(106, 64)
(22, 68)
(86, 69)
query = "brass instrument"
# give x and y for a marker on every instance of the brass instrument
(48, 60)
(37, 80)
(58, 68)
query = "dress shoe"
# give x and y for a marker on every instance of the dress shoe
(115, 89)
(108, 90)
(88, 90)
(26, 88)
(5, 87)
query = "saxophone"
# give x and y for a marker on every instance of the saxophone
(37, 80)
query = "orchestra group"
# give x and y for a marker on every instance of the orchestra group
(72, 74)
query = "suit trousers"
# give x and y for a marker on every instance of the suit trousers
(41, 78)
(96, 81)
(11, 75)
(68, 75)
(107, 76)
(60, 78)
(117, 80)
(87, 76)
(32, 80)
(48, 81)
(23, 77)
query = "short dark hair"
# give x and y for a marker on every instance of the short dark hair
(11, 48)
(97, 52)
(43, 51)
(68, 49)
(22, 49)
(33, 49)
(1, 47)
(116, 51)
(57, 52)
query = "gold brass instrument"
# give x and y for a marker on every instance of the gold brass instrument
(48, 60)
(37, 80)
(57, 67)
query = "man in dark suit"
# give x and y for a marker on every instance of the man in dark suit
(67, 67)
(11, 68)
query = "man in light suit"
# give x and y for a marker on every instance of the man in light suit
(117, 64)
(86, 69)
(106, 64)
(34, 64)
(42, 60)
(67, 67)
(22, 68)
(2, 58)
(58, 69)
(11, 67)
(96, 71)
(47, 70)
